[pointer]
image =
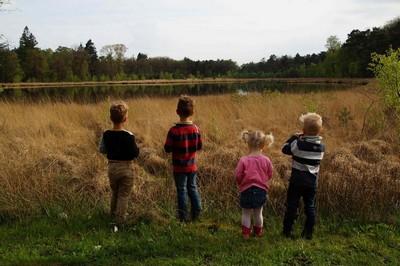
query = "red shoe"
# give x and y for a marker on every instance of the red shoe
(246, 231)
(258, 231)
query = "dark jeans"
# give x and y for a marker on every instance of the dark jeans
(187, 184)
(299, 189)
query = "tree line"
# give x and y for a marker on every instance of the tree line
(28, 62)
(350, 59)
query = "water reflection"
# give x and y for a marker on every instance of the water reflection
(99, 93)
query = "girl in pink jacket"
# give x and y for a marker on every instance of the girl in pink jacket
(253, 173)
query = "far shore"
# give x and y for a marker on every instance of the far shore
(29, 85)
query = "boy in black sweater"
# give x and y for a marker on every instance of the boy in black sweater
(120, 147)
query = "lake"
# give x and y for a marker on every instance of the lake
(90, 94)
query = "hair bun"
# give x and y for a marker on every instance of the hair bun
(245, 135)
(269, 139)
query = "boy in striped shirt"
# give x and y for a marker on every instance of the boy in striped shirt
(183, 141)
(307, 151)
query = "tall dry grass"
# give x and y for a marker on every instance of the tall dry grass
(49, 159)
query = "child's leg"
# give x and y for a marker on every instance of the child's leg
(258, 222)
(292, 204)
(309, 210)
(124, 183)
(114, 190)
(258, 217)
(114, 197)
(124, 191)
(181, 184)
(194, 195)
(246, 222)
(246, 217)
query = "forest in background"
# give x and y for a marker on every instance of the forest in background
(29, 63)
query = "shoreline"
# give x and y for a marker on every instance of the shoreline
(160, 82)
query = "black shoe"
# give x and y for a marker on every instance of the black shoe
(307, 235)
(288, 234)
(195, 216)
(183, 219)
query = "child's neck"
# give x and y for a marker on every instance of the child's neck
(255, 152)
(118, 126)
(185, 119)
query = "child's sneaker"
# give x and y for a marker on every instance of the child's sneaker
(288, 234)
(258, 231)
(246, 231)
(307, 234)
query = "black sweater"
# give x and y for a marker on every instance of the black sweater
(119, 145)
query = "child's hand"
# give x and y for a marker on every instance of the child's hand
(298, 134)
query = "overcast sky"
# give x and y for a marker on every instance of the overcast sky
(199, 29)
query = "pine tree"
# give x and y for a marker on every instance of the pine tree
(90, 49)
(27, 40)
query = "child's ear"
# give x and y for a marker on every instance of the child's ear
(177, 112)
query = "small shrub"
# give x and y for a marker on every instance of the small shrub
(344, 116)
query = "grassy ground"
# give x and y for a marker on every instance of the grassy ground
(90, 241)
(49, 159)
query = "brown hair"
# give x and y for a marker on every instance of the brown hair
(118, 112)
(257, 139)
(185, 106)
(312, 123)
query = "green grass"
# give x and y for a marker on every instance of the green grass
(90, 241)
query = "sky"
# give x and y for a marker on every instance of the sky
(243, 31)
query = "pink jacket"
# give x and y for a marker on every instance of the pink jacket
(253, 170)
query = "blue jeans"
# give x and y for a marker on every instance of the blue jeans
(186, 183)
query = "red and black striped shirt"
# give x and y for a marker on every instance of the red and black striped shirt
(183, 140)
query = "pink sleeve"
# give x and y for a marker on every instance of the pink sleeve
(269, 168)
(239, 172)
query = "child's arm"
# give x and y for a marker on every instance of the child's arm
(199, 142)
(287, 149)
(135, 148)
(169, 142)
(239, 172)
(270, 169)
(102, 146)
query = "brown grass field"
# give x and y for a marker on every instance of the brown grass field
(49, 159)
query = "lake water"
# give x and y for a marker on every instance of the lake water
(98, 93)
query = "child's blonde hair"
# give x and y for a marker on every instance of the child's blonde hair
(312, 123)
(257, 139)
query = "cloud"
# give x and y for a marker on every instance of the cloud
(241, 30)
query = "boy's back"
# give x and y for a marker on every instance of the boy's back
(307, 153)
(183, 140)
(119, 145)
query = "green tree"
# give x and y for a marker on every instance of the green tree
(9, 66)
(61, 64)
(386, 68)
(91, 51)
(141, 56)
(31, 59)
(27, 40)
(80, 65)
(35, 65)
(333, 43)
